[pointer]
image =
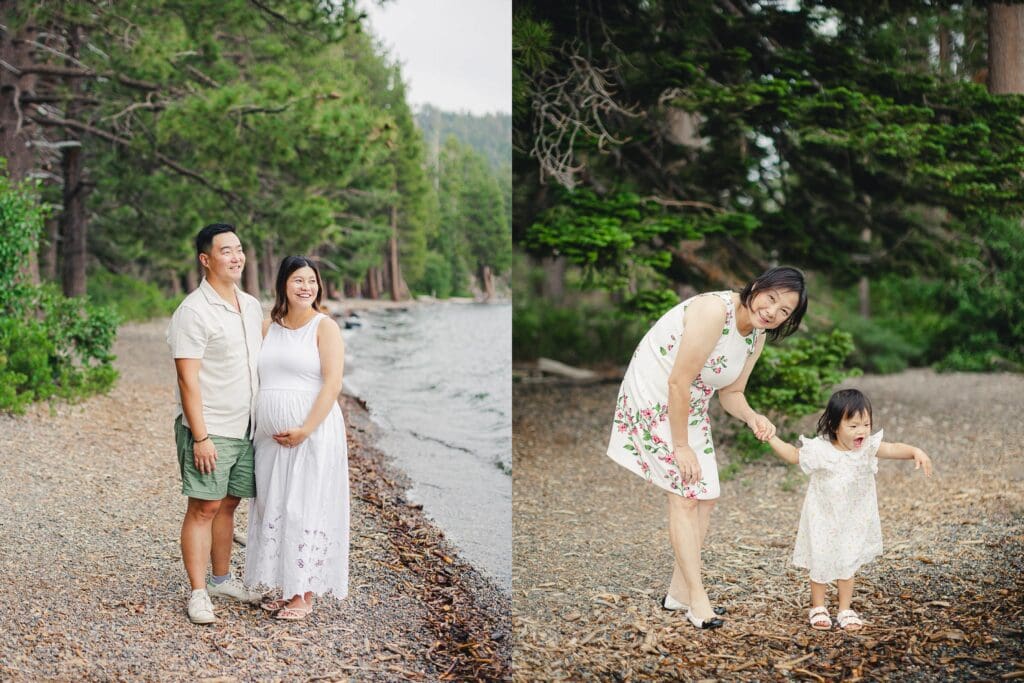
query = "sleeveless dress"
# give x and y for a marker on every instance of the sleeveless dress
(299, 521)
(641, 440)
(839, 525)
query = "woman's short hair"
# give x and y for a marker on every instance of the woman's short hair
(787, 279)
(844, 403)
(289, 264)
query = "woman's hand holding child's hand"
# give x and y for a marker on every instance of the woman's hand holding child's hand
(761, 426)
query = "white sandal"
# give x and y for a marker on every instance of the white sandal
(819, 619)
(848, 619)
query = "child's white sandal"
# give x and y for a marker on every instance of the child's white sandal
(848, 618)
(819, 618)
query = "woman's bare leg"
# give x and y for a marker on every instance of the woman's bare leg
(684, 530)
(678, 588)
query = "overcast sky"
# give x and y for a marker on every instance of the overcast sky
(455, 54)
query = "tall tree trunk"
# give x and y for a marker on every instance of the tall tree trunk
(372, 287)
(48, 250)
(73, 225)
(553, 284)
(269, 265)
(945, 47)
(864, 287)
(175, 282)
(487, 280)
(396, 283)
(1005, 49)
(351, 289)
(192, 279)
(13, 122)
(251, 274)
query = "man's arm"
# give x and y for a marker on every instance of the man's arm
(203, 451)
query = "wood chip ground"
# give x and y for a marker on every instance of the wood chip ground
(591, 558)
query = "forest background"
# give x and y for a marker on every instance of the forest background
(662, 149)
(127, 126)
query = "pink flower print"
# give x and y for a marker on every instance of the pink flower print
(623, 429)
(646, 413)
(657, 439)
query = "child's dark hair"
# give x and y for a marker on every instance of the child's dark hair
(843, 403)
(786, 279)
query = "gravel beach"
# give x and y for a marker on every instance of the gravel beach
(94, 588)
(591, 556)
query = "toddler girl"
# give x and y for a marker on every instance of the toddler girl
(839, 528)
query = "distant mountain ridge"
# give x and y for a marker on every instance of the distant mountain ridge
(490, 134)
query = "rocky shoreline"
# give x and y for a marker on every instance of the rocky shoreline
(93, 578)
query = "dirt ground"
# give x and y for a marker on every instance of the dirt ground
(93, 586)
(944, 602)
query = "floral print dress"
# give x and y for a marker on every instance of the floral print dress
(641, 439)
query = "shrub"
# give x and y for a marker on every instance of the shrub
(583, 334)
(791, 380)
(129, 297)
(50, 345)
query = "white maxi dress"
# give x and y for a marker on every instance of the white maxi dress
(299, 521)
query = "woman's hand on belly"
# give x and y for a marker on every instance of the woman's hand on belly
(291, 438)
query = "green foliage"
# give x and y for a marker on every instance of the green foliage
(490, 135)
(50, 345)
(759, 136)
(129, 297)
(472, 227)
(795, 378)
(986, 328)
(791, 380)
(577, 335)
(21, 223)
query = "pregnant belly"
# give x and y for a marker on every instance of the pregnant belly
(278, 410)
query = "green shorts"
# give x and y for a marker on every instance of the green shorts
(233, 475)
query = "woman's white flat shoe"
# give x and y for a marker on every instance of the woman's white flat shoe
(672, 605)
(703, 623)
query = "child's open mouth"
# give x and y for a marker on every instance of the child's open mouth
(858, 442)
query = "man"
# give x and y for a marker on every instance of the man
(215, 337)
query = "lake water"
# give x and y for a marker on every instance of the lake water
(437, 379)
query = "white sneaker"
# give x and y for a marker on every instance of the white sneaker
(200, 608)
(236, 590)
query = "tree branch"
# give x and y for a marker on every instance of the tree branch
(162, 158)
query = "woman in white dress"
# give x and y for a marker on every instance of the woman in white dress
(299, 520)
(839, 525)
(662, 431)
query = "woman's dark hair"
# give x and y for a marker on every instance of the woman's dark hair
(843, 403)
(786, 279)
(204, 239)
(289, 264)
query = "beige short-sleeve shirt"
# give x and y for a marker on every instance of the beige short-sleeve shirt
(227, 341)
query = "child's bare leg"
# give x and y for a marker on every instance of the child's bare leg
(678, 588)
(818, 594)
(845, 593)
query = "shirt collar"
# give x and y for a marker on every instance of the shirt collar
(215, 299)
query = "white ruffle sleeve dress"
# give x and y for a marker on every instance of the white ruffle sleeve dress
(839, 525)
